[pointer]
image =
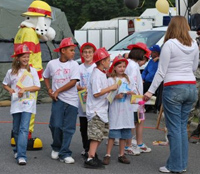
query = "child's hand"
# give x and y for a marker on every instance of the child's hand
(50, 93)
(130, 93)
(55, 95)
(119, 96)
(11, 91)
(113, 87)
(21, 92)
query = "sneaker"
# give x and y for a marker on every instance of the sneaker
(21, 161)
(184, 170)
(15, 155)
(134, 142)
(164, 170)
(68, 160)
(97, 158)
(93, 164)
(54, 155)
(123, 159)
(144, 148)
(84, 154)
(116, 142)
(132, 151)
(106, 160)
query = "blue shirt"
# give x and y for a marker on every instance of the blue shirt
(149, 71)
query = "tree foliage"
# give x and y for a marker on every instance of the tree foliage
(78, 12)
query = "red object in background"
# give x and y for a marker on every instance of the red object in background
(131, 27)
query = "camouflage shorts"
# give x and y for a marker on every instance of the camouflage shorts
(97, 129)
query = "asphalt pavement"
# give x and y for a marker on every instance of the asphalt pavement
(40, 161)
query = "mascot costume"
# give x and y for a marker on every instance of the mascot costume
(35, 26)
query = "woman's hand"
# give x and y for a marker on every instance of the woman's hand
(147, 96)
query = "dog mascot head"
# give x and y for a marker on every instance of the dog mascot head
(38, 16)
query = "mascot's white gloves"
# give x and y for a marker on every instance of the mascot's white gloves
(50, 35)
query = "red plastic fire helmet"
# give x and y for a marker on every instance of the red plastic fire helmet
(100, 54)
(66, 42)
(117, 59)
(81, 49)
(21, 49)
(141, 46)
(138, 45)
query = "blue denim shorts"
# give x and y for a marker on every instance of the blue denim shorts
(120, 133)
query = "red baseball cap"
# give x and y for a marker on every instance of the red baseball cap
(66, 42)
(21, 49)
(117, 59)
(81, 49)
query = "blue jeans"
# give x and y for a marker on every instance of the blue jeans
(177, 103)
(62, 125)
(20, 132)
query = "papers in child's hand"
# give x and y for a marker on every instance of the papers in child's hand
(136, 98)
(24, 80)
(82, 96)
(112, 94)
(15, 97)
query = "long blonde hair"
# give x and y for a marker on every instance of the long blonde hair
(114, 74)
(179, 29)
(16, 65)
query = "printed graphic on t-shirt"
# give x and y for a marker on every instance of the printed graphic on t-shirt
(84, 79)
(61, 76)
(124, 88)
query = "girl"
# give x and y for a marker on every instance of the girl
(121, 119)
(19, 82)
(138, 56)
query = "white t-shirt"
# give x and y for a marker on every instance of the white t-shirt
(133, 71)
(25, 104)
(61, 74)
(120, 110)
(85, 73)
(97, 106)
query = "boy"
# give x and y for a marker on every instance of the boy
(87, 51)
(65, 74)
(97, 106)
(151, 68)
(138, 56)
(149, 72)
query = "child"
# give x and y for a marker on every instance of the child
(97, 106)
(121, 119)
(23, 103)
(87, 50)
(138, 56)
(149, 72)
(65, 73)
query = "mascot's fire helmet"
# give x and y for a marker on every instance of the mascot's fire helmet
(38, 8)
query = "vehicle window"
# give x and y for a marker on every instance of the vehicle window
(150, 38)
